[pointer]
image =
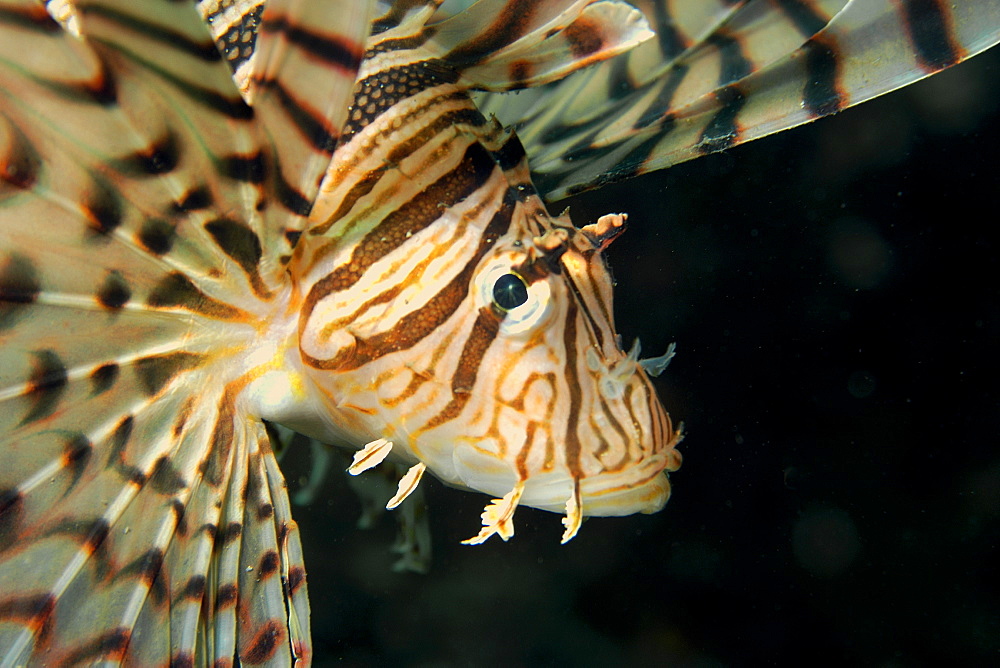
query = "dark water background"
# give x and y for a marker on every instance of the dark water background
(833, 292)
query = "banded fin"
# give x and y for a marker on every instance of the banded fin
(140, 198)
(720, 74)
(234, 25)
(505, 44)
(301, 86)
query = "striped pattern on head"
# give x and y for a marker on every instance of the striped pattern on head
(445, 310)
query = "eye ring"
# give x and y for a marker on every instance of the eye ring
(509, 292)
(523, 306)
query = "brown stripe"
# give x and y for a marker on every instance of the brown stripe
(242, 245)
(578, 299)
(226, 596)
(147, 568)
(179, 509)
(182, 660)
(110, 645)
(400, 152)
(445, 121)
(103, 377)
(314, 128)
(444, 248)
(342, 54)
(156, 371)
(183, 415)
(597, 272)
(584, 36)
(19, 285)
(103, 208)
(11, 520)
(615, 425)
(361, 187)
(395, 16)
(572, 442)
(33, 17)
(114, 292)
(202, 49)
(165, 478)
(175, 290)
(396, 228)
(214, 465)
(233, 531)
(627, 401)
(34, 609)
(462, 383)
(723, 130)
(48, 381)
(928, 25)
(268, 565)
(803, 15)
(521, 461)
(160, 156)
(157, 236)
(76, 455)
(510, 24)
(21, 165)
(822, 94)
(296, 578)
(264, 642)
(604, 446)
(420, 323)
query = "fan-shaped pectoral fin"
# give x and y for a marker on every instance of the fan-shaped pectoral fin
(498, 517)
(370, 456)
(574, 513)
(407, 484)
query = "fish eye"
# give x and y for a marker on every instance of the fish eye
(509, 292)
(523, 307)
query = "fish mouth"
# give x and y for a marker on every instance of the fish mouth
(643, 488)
(647, 497)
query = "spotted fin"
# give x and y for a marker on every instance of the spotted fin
(234, 25)
(144, 213)
(721, 73)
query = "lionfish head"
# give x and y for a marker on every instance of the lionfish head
(544, 407)
(482, 348)
(563, 415)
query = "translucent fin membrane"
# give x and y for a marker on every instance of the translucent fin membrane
(144, 213)
(720, 74)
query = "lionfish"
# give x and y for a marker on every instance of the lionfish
(223, 217)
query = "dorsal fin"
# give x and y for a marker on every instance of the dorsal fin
(722, 73)
(508, 44)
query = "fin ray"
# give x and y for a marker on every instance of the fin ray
(720, 74)
(144, 207)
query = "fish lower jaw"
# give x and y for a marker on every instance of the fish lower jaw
(643, 488)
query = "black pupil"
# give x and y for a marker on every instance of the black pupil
(509, 292)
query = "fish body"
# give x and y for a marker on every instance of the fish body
(329, 234)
